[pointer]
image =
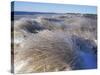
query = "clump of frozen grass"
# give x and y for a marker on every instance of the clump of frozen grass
(27, 25)
(46, 48)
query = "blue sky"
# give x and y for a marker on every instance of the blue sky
(51, 7)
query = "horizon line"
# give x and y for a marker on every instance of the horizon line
(55, 12)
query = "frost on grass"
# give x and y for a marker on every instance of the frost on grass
(55, 43)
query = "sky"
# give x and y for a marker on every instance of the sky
(52, 7)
